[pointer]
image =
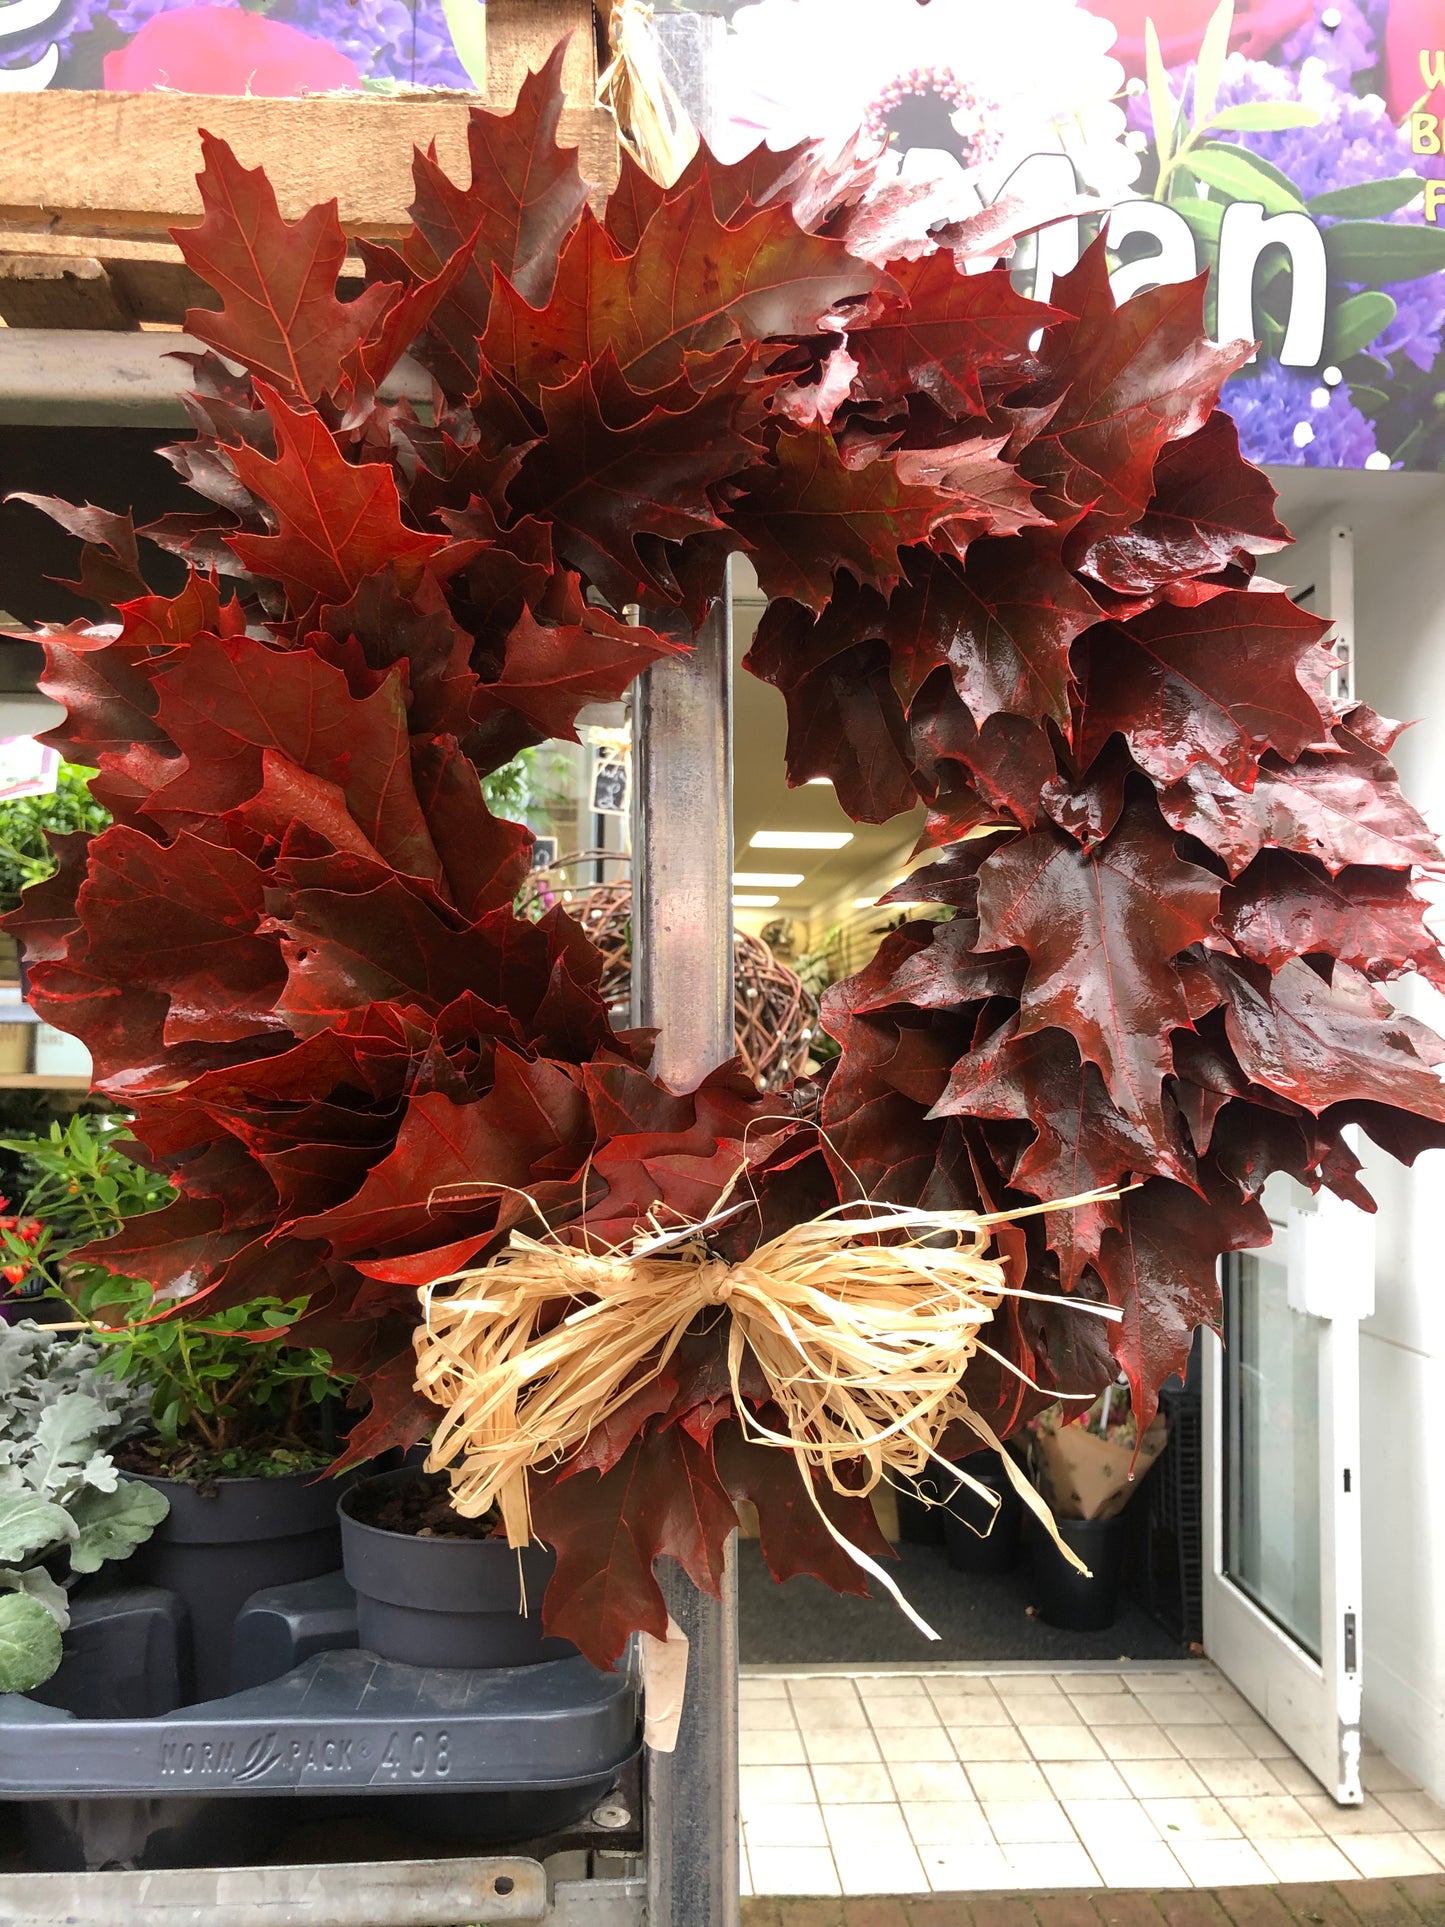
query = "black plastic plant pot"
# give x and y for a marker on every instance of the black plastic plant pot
(920, 1502)
(474, 1603)
(1065, 1597)
(224, 1540)
(978, 1536)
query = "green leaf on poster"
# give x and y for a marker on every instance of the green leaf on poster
(1367, 200)
(1265, 117)
(1245, 177)
(1376, 253)
(1356, 322)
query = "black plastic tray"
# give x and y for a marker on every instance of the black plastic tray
(339, 1723)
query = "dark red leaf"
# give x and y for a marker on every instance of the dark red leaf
(662, 1499)
(1101, 932)
(939, 333)
(337, 522)
(1215, 683)
(1287, 906)
(791, 1536)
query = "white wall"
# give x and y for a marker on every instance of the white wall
(1400, 624)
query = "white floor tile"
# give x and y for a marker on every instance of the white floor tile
(1433, 1843)
(946, 1686)
(840, 1746)
(1383, 1776)
(976, 1711)
(871, 1826)
(1077, 1685)
(1162, 1780)
(947, 1823)
(793, 1870)
(1261, 1740)
(777, 1746)
(904, 1715)
(1241, 1778)
(832, 1716)
(762, 1686)
(1372, 1817)
(1110, 1823)
(862, 1871)
(1142, 1742)
(766, 1716)
(902, 1746)
(1387, 1856)
(759, 1784)
(1417, 1812)
(892, 1686)
(1120, 1709)
(980, 1869)
(931, 1780)
(1271, 1817)
(1024, 1822)
(1213, 1743)
(1293, 1776)
(1221, 1863)
(788, 1824)
(1312, 1859)
(1051, 1864)
(1198, 1819)
(1085, 1780)
(853, 1785)
(1007, 1780)
(1026, 1685)
(981, 1743)
(1142, 1863)
(1061, 1742)
(1180, 1709)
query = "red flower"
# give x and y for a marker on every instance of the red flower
(225, 50)
(14, 1274)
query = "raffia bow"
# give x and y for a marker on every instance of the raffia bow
(862, 1322)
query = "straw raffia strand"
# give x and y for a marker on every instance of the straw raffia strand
(652, 122)
(862, 1321)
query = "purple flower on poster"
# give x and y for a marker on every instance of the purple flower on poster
(1288, 417)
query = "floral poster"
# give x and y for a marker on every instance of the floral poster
(1291, 148)
(273, 47)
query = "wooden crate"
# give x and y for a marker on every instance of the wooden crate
(90, 183)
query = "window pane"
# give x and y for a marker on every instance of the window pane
(1272, 1448)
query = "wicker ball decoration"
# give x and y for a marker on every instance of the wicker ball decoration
(774, 1017)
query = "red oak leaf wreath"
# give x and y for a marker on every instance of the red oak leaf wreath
(1009, 551)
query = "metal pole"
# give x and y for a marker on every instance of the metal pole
(682, 950)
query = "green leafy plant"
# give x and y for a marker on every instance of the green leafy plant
(62, 1499)
(80, 1184)
(223, 1394)
(226, 1395)
(25, 854)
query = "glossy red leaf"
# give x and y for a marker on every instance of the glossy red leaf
(337, 522)
(277, 279)
(662, 1499)
(1101, 932)
(940, 333)
(1215, 683)
(1123, 384)
(818, 514)
(1287, 906)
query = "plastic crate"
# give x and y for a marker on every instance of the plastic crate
(1169, 1573)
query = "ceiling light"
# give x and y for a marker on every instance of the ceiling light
(813, 782)
(767, 879)
(865, 903)
(753, 902)
(800, 839)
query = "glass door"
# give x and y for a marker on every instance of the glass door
(1282, 1572)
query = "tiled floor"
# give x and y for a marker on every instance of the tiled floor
(896, 1782)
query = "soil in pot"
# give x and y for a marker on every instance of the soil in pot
(980, 1537)
(434, 1589)
(226, 1538)
(1065, 1597)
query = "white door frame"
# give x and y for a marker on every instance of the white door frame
(1313, 1704)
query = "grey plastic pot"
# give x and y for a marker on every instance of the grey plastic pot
(224, 1540)
(474, 1603)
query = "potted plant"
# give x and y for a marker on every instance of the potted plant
(1088, 1464)
(65, 1510)
(436, 1589)
(236, 1424)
